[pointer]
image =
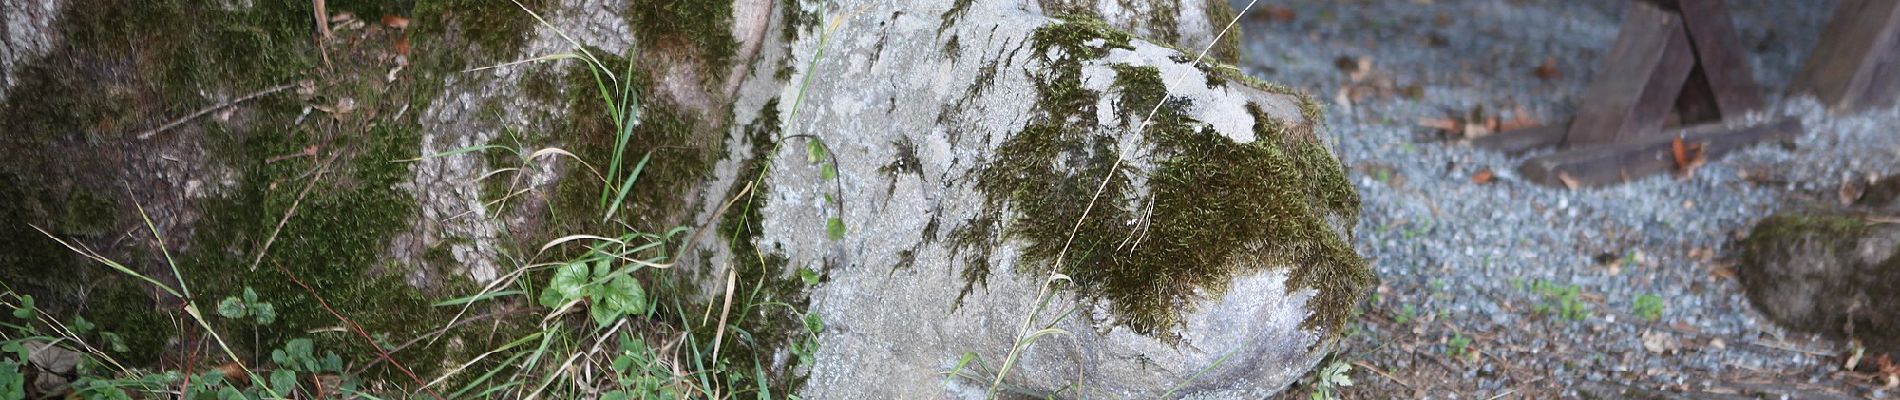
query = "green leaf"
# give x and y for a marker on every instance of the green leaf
(809, 276)
(834, 228)
(331, 362)
(569, 281)
(814, 323)
(814, 151)
(550, 298)
(475, 298)
(265, 313)
(26, 308)
(602, 268)
(602, 315)
(12, 381)
(616, 395)
(114, 342)
(827, 172)
(623, 294)
(80, 325)
(283, 380)
(230, 393)
(250, 296)
(231, 307)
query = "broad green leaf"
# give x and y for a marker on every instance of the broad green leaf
(569, 281)
(624, 295)
(282, 380)
(827, 172)
(602, 315)
(551, 298)
(250, 296)
(231, 307)
(834, 228)
(265, 313)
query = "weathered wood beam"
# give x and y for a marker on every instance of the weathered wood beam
(1519, 141)
(1620, 162)
(1842, 69)
(1720, 56)
(1634, 91)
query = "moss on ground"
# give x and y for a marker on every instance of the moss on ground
(1215, 208)
(69, 125)
(1227, 49)
(696, 27)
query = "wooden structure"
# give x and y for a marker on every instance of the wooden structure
(1857, 63)
(1674, 63)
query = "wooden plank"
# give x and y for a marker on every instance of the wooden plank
(1616, 163)
(1721, 57)
(1886, 82)
(1635, 89)
(1841, 69)
(1517, 142)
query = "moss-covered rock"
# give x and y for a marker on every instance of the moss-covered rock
(1831, 273)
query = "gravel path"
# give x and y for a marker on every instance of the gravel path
(1489, 267)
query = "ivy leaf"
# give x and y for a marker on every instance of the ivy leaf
(231, 307)
(834, 228)
(623, 295)
(26, 308)
(265, 313)
(814, 152)
(250, 296)
(569, 281)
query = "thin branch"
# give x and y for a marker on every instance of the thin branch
(213, 108)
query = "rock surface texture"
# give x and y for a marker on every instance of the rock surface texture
(969, 141)
(1830, 272)
(954, 176)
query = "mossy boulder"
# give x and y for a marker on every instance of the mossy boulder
(1829, 272)
(974, 152)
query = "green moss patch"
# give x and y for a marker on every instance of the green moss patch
(1215, 209)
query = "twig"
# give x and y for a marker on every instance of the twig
(312, 183)
(355, 328)
(1368, 366)
(208, 110)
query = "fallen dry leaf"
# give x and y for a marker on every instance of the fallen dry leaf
(1568, 181)
(395, 22)
(1688, 157)
(1280, 14)
(1483, 176)
(1660, 343)
(1520, 119)
(1548, 70)
(1850, 192)
(401, 46)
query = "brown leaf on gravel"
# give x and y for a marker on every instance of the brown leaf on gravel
(1688, 157)
(1356, 69)
(1569, 182)
(1548, 71)
(1520, 119)
(1280, 14)
(1483, 176)
(1850, 192)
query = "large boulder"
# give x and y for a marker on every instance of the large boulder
(953, 177)
(1828, 272)
(970, 143)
